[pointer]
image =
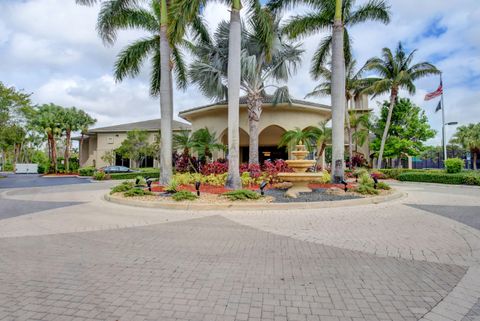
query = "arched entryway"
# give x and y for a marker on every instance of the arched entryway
(268, 141)
(244, 141)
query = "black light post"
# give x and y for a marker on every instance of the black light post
(149, 184)
(375, 182)
(262, 187)
(197, 187)
(345, 185)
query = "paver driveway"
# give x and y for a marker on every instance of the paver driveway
(99, 261)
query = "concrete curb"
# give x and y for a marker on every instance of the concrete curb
(241, 206)
(434, 184)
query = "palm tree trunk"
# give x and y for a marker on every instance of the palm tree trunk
(474, 155)
(349, 133)
(393, 98)
(54, 154)
(233, 178)
(338, 97)
(254, 112)
(67, 150)
(166, 103)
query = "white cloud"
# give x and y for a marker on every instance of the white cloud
(51, 48)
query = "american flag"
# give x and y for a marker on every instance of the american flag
(436, 93)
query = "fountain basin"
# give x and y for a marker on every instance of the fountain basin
(300, 165)
(299, 182)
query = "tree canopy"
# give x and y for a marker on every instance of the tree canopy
(408, 132)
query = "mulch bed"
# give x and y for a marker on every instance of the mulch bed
(212, 189)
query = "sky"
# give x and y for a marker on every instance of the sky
(50, 48)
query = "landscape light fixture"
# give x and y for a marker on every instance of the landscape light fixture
(262, 187)
(149, 184)
(197, 187)
(345, 185)
(452, 123)
(375, 182)
(137, 181)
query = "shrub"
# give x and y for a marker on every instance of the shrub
(366, 185)
(86, 171)
(366, 190)
(185, 163)
(359, 172)
(378, 175)
(184, 196)
(242, 194)
(383, 185)
(149, 174)
(272, 169)
(471, 179)
(454, 165)
(123, 187)
(140, 180)
(172, 186)
(215, 167)
(99, 176)
(136, 192)
(432, 177)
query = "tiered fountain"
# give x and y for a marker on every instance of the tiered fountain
(299, 178)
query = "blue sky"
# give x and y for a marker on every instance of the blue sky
(50, 48)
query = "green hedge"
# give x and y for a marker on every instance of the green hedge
(441, 177)
(149, 174)
(86, 171)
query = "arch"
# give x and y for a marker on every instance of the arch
(268, 141)
(270, 135)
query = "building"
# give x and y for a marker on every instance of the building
(274, 121)
(98, 141)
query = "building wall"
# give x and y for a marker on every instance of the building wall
(101, 143)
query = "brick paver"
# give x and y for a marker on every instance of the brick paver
(209, 269)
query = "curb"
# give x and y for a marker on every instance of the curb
(255, 206)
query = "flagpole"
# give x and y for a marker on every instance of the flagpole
(444, 138)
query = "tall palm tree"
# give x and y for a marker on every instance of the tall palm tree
(164, 53)
(354, 84)
(395, 72)
(262, 66)
(335, 15)
(188, 10)
(468, 136)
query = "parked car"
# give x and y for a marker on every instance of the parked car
(117, 169)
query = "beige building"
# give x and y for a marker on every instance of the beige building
(99, 141)
(274, 121)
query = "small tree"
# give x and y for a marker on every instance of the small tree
(109, 157)
(204, 143)
(408, 130)
(136, 146)
(468, 136)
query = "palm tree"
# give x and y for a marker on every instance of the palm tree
(47, 120)
(183, 140)
(335, 15)
(188, 10)
(396, 72)
(261, 65)
(204, 143)
(354, 84)
(360, 125)
(468, 136)
(70, 122)
(164, 52)
(308, 137)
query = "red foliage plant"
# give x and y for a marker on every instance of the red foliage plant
(273, 168)
(215, 167)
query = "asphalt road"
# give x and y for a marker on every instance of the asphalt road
(34, 180)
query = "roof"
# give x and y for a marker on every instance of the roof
(268, 99)
(148, 125)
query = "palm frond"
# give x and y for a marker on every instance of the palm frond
(374, 10)
(115, 15)
(130, 59)
(281, 95)
(306, 25)
(320, 56)
(179, 68)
